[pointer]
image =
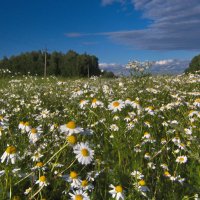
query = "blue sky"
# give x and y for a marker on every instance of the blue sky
(116, 31)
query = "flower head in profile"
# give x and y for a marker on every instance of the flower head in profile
(197, 102)
(96, 103)
(42, 181)
(71, 128)
(85, 185)
(142, 186)
(83, 153)
(9, 155)
(83, 103)
(73, 179)
(34, 134)
(24, 126)
(116, 105)
(117, 192)
(79, 195)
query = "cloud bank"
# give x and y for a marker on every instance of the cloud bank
(175, 26)
(169, 66)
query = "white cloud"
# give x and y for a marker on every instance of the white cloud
(164, 62)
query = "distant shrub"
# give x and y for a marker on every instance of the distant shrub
(194, 66)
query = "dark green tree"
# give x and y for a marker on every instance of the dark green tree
(194, 65)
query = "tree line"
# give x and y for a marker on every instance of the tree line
(70, 64)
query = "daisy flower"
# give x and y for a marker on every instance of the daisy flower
(85, 185)
(114, 127)
(83, 153)
(79, 195)
(96, 103)
(181, 159)
(117, 192)
(197, 102)
(83, 103)
(150, 110)
(9, 155)
(147, 156)
(42, 181)
(36, 156)
(136, 104)
(164, 166)
(116, 105)
(137, 174)
(73, 179)
(148, 124)
(167, 174)
(146, 135)
(24, 126)
(54, 127)
(28, 190)
(34, 134)
(142, 186)
(188, 131)
(128, 101)
(39, 165)
(71, 128)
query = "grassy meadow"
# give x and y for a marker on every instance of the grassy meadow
(100, 139)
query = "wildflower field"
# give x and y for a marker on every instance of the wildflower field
(100, 139)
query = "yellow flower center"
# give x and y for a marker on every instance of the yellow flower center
(22, 123)
(85, 152)
(78, 197)
(181, 159)
(33, 130)
(94, 100)
(11, 150)
(73, 175)
(72, 139)
(146, 133)
(16, 198)
(1, 117)
(166, 173)
(151, 108)
(118, 188)
(197, 100)
(142, 183)
(1, 128)
(84, 183)
(137, 102)
(116, 104)
(71, 125)
(42, 178)
(26, 123)
(82, 101)
(39, 164)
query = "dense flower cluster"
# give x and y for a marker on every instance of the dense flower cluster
(100, 139)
